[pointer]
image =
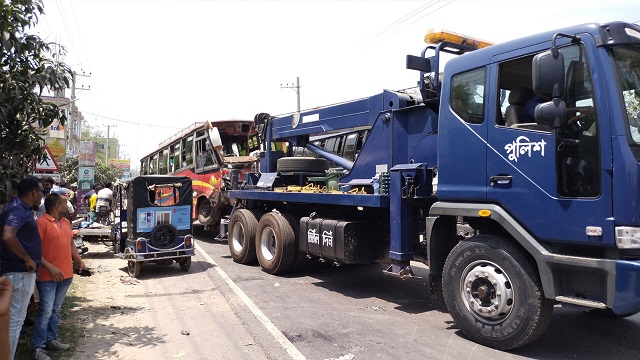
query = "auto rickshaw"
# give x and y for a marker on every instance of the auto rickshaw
(159, 227)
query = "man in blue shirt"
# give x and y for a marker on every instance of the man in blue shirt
(21, 251)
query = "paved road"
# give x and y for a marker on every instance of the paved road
(355, 312)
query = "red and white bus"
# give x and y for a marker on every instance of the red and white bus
(203, 152)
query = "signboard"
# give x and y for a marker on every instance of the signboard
(56, 130)
(87, 153)
(82, 208)
(57, 150)
(55, 176)
(148, 218)
(47, 163)
(120, 163)
(86, 175)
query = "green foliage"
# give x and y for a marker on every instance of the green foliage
(102, 173)
(27, 69)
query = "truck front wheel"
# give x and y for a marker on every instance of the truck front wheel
(494, 294)
(275, 244)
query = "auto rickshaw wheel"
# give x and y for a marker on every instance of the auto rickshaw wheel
(185, 263)
(134, 268)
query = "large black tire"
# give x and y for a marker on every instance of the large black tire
(133, 267)
(185, 263)
(164, 236)
(275, 244)
(302, 164)
(242, 233)
(494, 294)
(205, 212)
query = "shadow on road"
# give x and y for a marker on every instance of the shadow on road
(150, 270)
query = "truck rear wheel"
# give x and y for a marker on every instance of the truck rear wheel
(242, 233)
(275, 244)
(494, 293)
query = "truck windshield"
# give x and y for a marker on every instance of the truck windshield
(628, 66)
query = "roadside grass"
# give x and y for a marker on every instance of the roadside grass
(69, 330)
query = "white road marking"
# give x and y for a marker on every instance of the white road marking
(271, 328)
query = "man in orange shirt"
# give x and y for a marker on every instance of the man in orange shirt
(55, 275)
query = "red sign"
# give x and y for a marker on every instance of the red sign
(47, 163)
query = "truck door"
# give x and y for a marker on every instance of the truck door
(554, 182)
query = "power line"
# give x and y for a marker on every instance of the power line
(416, 20)
(403, 19)
(79, 34)
(130, 122)
(64, 24)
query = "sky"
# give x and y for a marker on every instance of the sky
(155, 67)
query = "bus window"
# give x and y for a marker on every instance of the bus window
(174, 158)
(203, 154)
(153, 165)
(144, 167)
(330, 144)
(187, 151)
(163, 162)
(349, 151)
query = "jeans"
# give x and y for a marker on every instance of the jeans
(23, 286)
(92, 216)
(52, 295)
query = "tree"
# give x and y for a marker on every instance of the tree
(102, 173)
(27, 69)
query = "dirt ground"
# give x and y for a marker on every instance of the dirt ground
(167, 313)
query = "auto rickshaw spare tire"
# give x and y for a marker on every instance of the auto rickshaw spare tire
(302, 164)
(185, 263)
(275, 244)
(242, 231)
(164, 236)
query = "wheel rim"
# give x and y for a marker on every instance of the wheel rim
(205, 208)
(164, 238)
(487, 291)
(268, 243)
(237, 237)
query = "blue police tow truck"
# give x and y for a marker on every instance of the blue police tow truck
(513, 172)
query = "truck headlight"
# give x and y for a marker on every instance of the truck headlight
(627, 237)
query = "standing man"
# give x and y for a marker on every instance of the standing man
(73, 198)
(55, 276)
(21, 252)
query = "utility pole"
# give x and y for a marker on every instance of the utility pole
(75, 124)
(295, 88)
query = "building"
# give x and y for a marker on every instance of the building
(112, 143)
(64, 140)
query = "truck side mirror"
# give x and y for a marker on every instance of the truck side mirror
(551, 113)
(419, 63)
(548, 74)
